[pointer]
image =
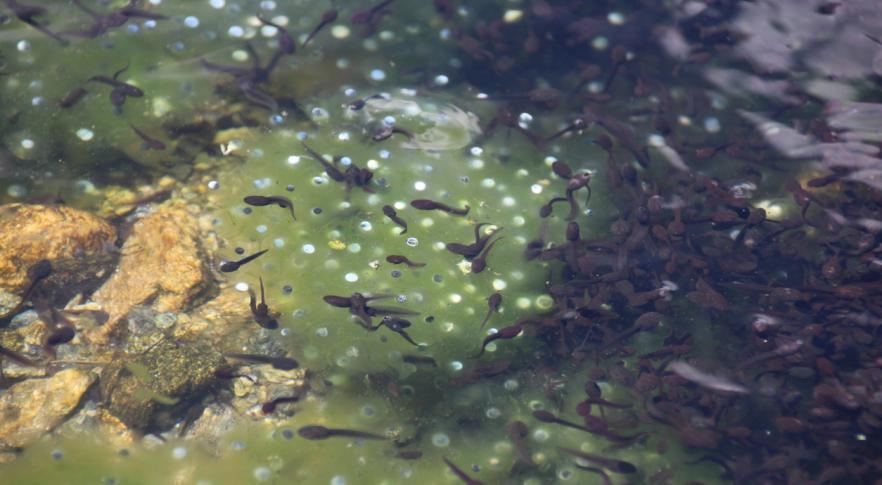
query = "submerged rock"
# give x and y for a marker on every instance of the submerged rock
(218, 320)
(31, 408)
(161, 263)
(168, 374)
(79, 245)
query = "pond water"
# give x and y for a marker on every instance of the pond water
(514, 242)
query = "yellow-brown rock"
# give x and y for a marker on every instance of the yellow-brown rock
(161, 263)
(219, 320)
(31, 408)
(32, 232)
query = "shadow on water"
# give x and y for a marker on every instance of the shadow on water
(697, 294)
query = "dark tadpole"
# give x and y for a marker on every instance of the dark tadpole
(398, 259)
(26, 14)
(36, 273)
(329, 17)
(389, 212)
(612, 464)
(493, 304)
(480, 262)
(230, 266)
(471, 251)
(260, 311)
(286, 43)
(386, 132)
(419, 359)
(73, 97)
(317, 432)
(149, 142)
(398, 325)
(263, 201)
(431, 205)
(281, 362)
(461, 474)
(269, 407)
(506, 333)
(62, 335)
(409, 454)
(17, 358)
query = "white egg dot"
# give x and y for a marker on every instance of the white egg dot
(712, 124)
(427, 222)
(499, 285)
(518, 220)
(523, 303)
(378, 74)
(308, 248)
(508, 201)
(419, 185)
(600, 42)
(373, 164)
(340, 31)
(217, 3)
(351, 277)
(236, 31)
(179, 453)
(191, 21)
(293, 160)
(241, 286)
(85, 134)
(488, 183)
(476, 163)
(261, 228)
(656, 140)
(455, 298)
(27, 143)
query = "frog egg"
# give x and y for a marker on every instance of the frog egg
(440, 440)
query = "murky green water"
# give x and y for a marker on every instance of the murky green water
(677, 203)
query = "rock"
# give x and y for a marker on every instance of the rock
(98, 422)
(144, 388)
(216, 420)
(221, 320)
(31, 408)
(79, 245)
(161, 263)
